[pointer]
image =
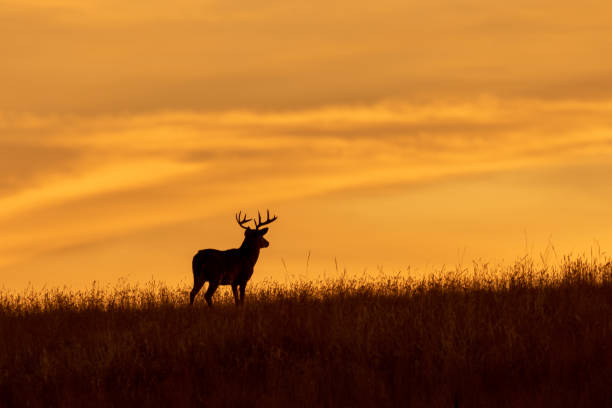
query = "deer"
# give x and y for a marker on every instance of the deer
(233, 266)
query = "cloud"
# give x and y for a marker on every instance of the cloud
(104, 180)
(111, 175)
(92, 57)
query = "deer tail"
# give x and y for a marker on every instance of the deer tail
(196, 264)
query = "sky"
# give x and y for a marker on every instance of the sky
(388, 136)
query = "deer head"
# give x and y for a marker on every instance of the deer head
(255, 237)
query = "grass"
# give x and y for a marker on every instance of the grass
(522, 335)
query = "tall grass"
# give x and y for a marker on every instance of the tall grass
(522, 335)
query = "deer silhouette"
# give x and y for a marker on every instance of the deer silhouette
(233, 266)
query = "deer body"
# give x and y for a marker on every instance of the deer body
(230, 267)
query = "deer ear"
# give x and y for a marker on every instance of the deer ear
(263, 231)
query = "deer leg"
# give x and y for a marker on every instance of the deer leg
(212, 286)
(235, 292)
(197, 285)
(242, 290)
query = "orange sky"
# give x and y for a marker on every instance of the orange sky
(388, 134)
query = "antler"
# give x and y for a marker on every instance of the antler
(242, 221)
(266, 222)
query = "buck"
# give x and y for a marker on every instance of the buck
(233, 266)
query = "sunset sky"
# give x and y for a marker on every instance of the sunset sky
(385, 135)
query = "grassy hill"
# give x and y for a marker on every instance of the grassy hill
(515, 336)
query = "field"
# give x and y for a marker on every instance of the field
(515, 336)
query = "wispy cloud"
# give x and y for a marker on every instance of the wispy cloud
(130, 172)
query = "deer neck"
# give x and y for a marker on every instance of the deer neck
(249, 252)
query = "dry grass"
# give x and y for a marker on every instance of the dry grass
(516, 336)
